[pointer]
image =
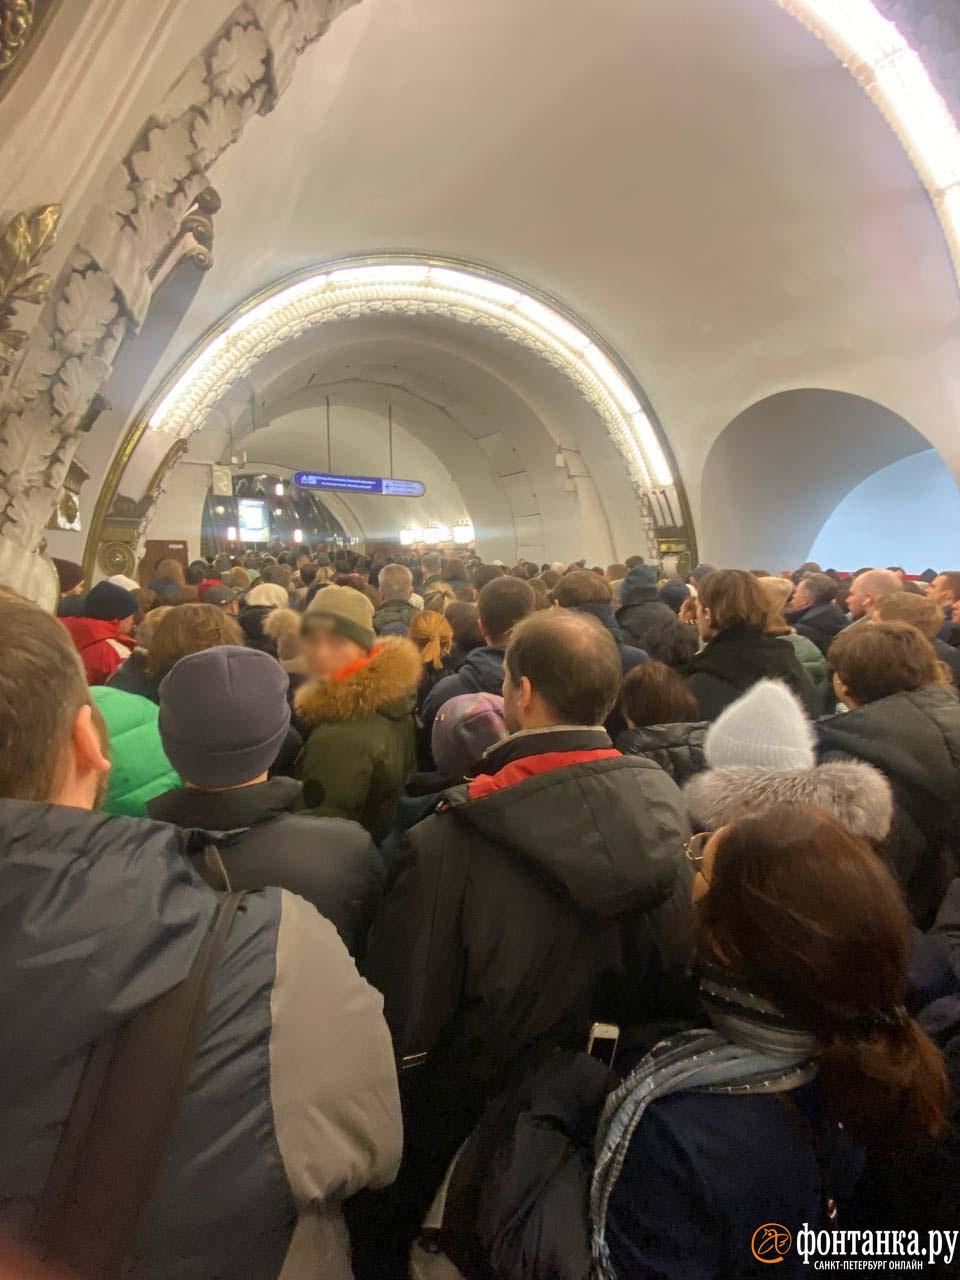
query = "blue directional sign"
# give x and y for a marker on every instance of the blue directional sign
(383, 485)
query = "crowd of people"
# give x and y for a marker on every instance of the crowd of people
(558, 921)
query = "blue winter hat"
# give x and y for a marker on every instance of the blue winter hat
(701, 571)
(674, 593)
(641, 578)
(224, 715)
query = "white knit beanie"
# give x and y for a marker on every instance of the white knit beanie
(767, 728)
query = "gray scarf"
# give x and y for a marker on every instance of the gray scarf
(751, 1049)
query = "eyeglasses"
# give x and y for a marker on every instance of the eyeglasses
(694, 847)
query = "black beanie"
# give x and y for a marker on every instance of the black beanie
(224, 715)
(109, 603)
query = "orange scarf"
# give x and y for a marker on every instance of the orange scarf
(358, 665)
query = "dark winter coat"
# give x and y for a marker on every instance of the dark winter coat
(401, 611)
(641, 613)
(950, 656)
(734, 661)
(131, 677)
(551, 890)
(821, 623)
(362, 744)
(914, 738)
(101, 915)
(676, 748)
(481, 672)
(259, 841)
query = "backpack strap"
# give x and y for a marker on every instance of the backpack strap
(124, 1111)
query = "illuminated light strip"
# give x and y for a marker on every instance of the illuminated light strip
(402, 286)
(875, 52)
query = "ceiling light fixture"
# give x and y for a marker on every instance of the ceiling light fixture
(876, 53)
(403, 286)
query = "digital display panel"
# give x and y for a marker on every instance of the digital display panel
(254, 522)
(386, 486)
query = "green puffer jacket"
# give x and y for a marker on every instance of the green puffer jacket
(139, 768)
(362, 744)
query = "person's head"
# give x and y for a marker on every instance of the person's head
(583, 586)
(302, 558)
(877, 661)
(336, 631)
(455, 571)
(776, 593)
(148, 626)
(438, 596)
(549, 578)
(224, 716)
(655, 694)
(238, 578)
(395, 582)
(812, 589)
(899, 570)
(560, 667)
(674, 593)
(432, 634)
(53, 742)
(197, 572)
(282, 626)
(170, 570)
(501, 604)
(307, 571)
(464, 728)
(730, 600)
(945, 588)
(268, 594)
(868, 587)
(431, 564)
(698, 573)
(904, 606)
(616, 572)
(278, 575)
(106, 602)
(69, 576)
(808, 917)
(465, 625)
(483, 574)
(632, 561)
(806, 569)
(189, 628)
(672, 642)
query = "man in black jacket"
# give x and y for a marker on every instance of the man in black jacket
(549, 891)
(814, 611)
(223, 716)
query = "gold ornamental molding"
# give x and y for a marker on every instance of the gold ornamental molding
(23, 242)
(22, 23)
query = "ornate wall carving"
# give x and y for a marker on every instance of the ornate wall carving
(104, 290)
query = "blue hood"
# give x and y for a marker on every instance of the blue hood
(482, 671)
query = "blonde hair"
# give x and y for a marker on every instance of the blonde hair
(149, 624)
(433, 636)
(439, 595)
(776, 593)
(238, 578)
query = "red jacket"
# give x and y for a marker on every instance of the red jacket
(101, 646)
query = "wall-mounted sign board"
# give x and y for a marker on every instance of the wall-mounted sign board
(382, 485)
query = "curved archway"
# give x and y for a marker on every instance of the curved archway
(779, 470)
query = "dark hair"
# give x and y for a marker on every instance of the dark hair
(503, 603)
(549, 578)
(189, 628)
(431, 563)
(672, 642)
(878, 659)
(307, 574)
(653, 693)
(277, 574)
(583, 586)
(735, 600)
(455, 571)
(42, 687)
(632, 561)
(571, 661)
(813, 920)
(197, 572)
(483, 574)
(820, 586)
(953, 582)
(466, 627)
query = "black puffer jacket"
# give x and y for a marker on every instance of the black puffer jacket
(644, 611)
(914, 738)
(734, 661)
(261, 841)
(676, 748)
(540, 896)
(821, 623)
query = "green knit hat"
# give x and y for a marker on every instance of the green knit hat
(343, 611)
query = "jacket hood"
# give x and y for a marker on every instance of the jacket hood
(640, 585)
(229, 810)
(608, 833)
(88, 631)
(386, 685)
(856, 794)
(743, 657)
(98, 916)
(604, 613)
(482, 670)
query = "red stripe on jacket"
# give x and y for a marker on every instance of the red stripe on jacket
(531, 766)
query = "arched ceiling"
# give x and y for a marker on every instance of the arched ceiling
(704, 182)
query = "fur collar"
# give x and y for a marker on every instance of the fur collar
(388, 680)
(856, 794)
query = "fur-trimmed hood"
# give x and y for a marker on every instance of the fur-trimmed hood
(386, 685)
(856, 794)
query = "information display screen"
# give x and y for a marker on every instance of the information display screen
(254, 521)
(383, 485)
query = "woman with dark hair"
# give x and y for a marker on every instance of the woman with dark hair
(732, 616)
(725, 1142)
(467, 636)
(662, 720)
